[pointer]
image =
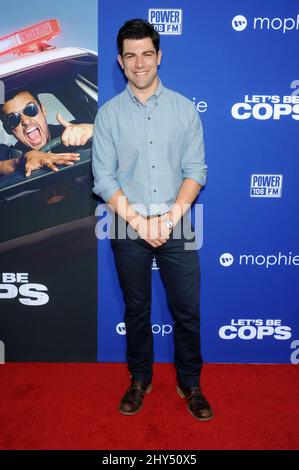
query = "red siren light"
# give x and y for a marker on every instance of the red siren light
(30, 39)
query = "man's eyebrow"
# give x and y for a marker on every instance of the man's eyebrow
(144, 52)
(22, 109)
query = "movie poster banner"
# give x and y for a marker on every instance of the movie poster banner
(48, 248)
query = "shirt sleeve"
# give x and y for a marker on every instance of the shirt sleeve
(193, 161)
(104, 158)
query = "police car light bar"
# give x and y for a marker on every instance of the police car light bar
(29, 39)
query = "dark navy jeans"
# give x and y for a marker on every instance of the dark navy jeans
(179, 268)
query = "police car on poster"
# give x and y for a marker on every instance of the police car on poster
(65, 81)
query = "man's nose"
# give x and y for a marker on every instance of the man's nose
(25, 120)
(139, 62)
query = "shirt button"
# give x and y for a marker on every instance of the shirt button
(155, 190)
(151, 142)
(149, 118)
(153, 166)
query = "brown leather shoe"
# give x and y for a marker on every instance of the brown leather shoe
(132, 401)
(197, 403)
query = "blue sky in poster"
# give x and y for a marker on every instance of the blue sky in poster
(78, 19)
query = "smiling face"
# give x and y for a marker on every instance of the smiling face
(33, 132)
(139, 62)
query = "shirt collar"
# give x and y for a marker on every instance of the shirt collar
(156, 95)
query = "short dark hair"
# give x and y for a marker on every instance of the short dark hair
(12, 94)
(137, 29)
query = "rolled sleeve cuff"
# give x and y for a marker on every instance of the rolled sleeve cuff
(200, 178)
(107, 193)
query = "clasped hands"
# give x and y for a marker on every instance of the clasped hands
(153, 230)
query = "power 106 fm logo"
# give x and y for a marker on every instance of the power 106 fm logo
(248, 329)
(17, 286)
(166, 21)
(266, 186)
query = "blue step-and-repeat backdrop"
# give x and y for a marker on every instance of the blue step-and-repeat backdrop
(238, 62)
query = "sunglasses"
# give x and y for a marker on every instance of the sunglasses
(14, 119)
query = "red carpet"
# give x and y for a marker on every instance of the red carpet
(75, 406)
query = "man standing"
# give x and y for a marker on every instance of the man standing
(148, 164)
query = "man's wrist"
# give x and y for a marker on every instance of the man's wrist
(174, 215)
(135, 221)
(169, 223)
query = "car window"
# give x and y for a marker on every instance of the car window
(53, 106)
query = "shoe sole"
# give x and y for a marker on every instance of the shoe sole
(181, 394)
(132, 413)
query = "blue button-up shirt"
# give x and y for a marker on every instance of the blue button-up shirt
(147, 150)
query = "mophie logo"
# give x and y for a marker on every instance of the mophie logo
(284, 25)
(239, 23)
(157, 329)
(263, 260)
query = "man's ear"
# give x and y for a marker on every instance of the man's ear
(120, 61)
(159, 56)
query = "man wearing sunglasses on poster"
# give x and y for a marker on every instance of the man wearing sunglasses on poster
(24, 116)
